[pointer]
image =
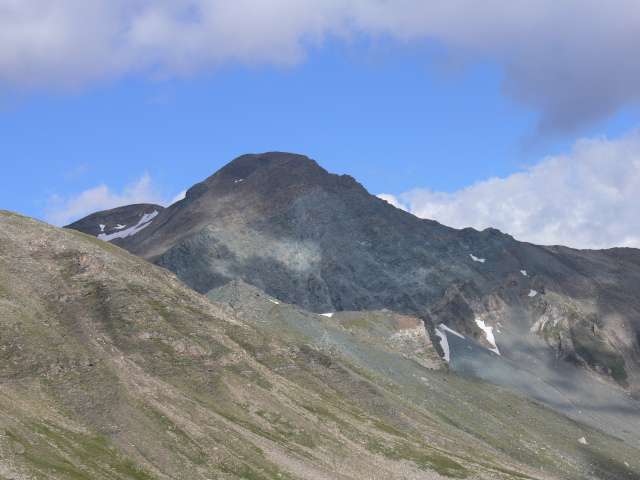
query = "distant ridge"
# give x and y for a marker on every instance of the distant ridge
(108, 222)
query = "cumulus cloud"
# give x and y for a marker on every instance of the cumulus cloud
(588, 198)
(69, 43)
(393, 201)
(62, 211)
(574, 61)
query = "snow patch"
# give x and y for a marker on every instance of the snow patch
(583, 440)
(144, 221)
(476, 259)
(101, 227)
(447, 329)
(444, 343)
(489, 333)
(239, 180)
(327, 314)
(119, 227)
(524, 272)
(532, 293)
(272, 300)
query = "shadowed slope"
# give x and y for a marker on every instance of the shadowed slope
(321, 241)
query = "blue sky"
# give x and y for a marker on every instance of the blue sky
(519, 117)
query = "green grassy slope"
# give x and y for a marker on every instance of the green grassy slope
(112, 368)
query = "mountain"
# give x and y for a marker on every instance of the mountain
(120, 222)
(112, 368)
(280, 222)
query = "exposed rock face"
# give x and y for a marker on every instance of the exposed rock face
(321, 241)
(282, 223)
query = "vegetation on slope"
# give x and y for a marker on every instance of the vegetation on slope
(112, 368)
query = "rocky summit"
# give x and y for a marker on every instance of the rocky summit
(282, 223)
(112, 368)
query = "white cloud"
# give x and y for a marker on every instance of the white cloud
(574, 61)
(588, 198)
(393, 201)
(62, 211)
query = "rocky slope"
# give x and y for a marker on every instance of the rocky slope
(110, 367)
(321, 241)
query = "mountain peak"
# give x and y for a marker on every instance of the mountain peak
(265, 183)
(280, 222)
(245, 165)
(275, 172)
(249, 188)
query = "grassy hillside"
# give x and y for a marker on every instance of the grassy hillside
(111, 368)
